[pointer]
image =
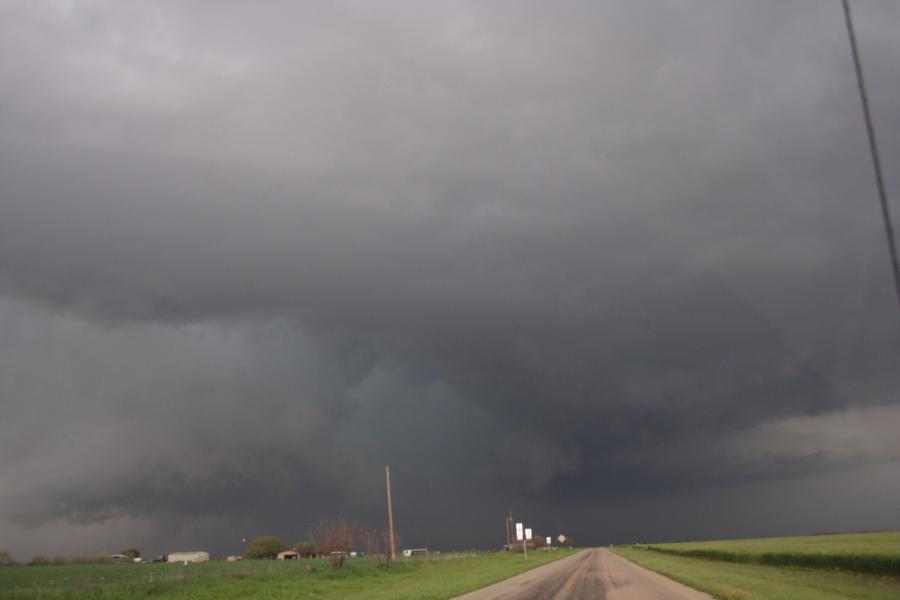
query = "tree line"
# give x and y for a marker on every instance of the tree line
(332, 538)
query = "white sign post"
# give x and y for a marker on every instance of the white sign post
(549, 541)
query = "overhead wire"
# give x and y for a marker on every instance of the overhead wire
(873, 149)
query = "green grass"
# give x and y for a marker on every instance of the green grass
(438, 576)
(873, 553)
(736, 581)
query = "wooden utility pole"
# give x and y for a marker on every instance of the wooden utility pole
(387, 479)
(508, 525)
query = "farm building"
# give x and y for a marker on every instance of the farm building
(194, 557)
(415, 551)
(288, 555)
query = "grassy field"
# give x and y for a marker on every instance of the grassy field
(873, 553)
(736, 581)
(439, 576)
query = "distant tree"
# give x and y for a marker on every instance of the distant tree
(131, 553)
(539, 541)
(40, 559)
(307, 548)
(6, 559)
(266, 546)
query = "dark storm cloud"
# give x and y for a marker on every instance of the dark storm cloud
(528, 256)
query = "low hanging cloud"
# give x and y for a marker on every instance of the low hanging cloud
(535, 260)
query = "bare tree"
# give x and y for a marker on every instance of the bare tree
(371, 538)
(336, 538)
(308, 548)
(385, 535)
(377, 542)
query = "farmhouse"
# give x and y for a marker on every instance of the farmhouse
(415, 551)
(194, 557)
(288, 555)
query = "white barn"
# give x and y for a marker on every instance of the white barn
(178, 557)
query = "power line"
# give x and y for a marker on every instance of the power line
(873, 149)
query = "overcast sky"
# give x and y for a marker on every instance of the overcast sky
(617, 267)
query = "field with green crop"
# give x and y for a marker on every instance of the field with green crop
(737, 581)
(438, 576)
(872, 553)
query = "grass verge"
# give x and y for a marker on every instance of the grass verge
(736, 581)
(425, 578)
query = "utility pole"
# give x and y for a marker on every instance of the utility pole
(508, 525)
(387, 479)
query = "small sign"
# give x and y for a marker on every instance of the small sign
(549, 541)
(561, 538)
(528, 533)
(519, 534)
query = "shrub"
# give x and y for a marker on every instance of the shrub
(131, 553)
(337, 559)
(40, 559)
(6, 559)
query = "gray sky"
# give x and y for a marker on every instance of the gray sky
(617, 267)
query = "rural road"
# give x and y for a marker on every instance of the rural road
(594, 573)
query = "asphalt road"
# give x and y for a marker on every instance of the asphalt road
(594, 573)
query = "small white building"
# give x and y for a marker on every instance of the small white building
(193, 557)
(415, 551)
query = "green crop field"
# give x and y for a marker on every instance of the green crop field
(736, 581)
(883, 542)
(863, 566)
(438, 576)
(873, 553)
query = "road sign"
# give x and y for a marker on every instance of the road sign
(561, 538)
(549, 540)
(528, 533)
(519, 532)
